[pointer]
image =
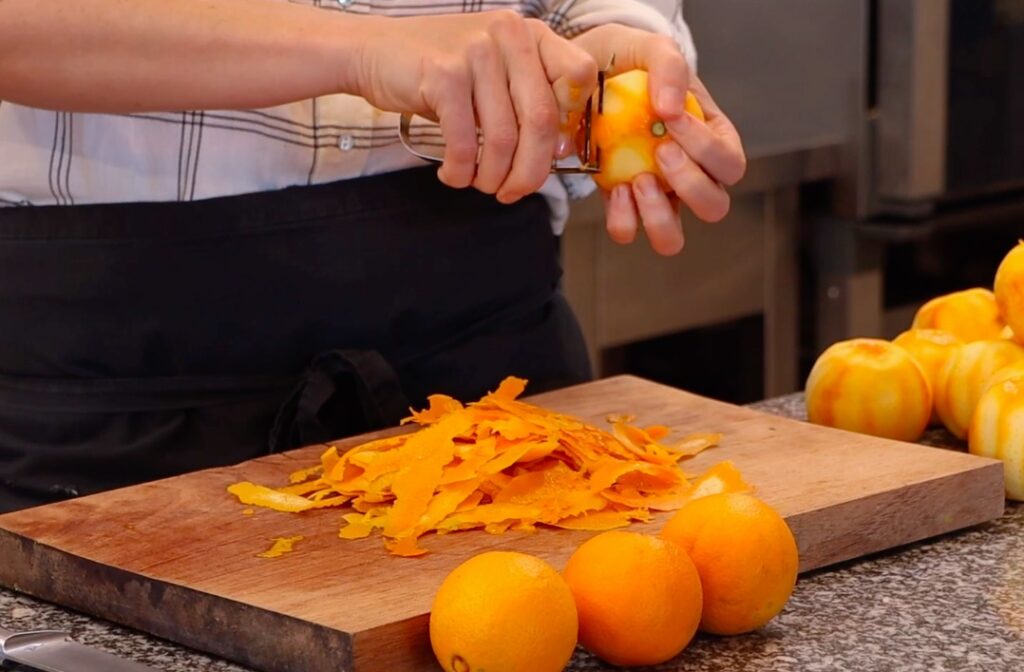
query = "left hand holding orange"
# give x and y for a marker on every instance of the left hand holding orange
(696, 159)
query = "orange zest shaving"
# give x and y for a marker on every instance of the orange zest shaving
(280, 546)
(499, 464)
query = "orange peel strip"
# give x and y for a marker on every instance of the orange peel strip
(498, 464)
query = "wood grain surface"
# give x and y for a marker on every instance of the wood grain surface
(178, 558)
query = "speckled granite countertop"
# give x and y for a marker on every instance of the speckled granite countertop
(956, 603)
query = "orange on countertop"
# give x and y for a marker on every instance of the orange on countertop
(965, 376)
(1009, 288)
(930, 348)
(997, 431)
(503, 612)
(970, 315)
(745, 554)
(869, 386)
(1006, 373)
(639, 597)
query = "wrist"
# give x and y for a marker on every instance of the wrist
(347, 51)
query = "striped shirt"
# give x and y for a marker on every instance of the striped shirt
(64, 158)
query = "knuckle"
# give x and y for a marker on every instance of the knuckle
(447, 74)
(462, 151)
(480, 47)
(506, 21)
(503, 138)
(542, 116)
(584, 67)
(666, 44)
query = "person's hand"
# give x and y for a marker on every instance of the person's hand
(512, 77)
(699, 160)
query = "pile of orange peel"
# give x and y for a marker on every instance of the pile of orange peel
(498, 464)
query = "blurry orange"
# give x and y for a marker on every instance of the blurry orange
(966, 375)
(970, 315)
(930, 348)
(870, 386)
(1006, 373)
(997, 431)
(503, 612)
(746, 556)
(638, 597)
(1009, 288)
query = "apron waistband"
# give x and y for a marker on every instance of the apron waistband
(369, 198)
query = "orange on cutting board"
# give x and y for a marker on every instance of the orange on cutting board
(503, 612)
(638, 597)
(1009, 289)
(966, 375)
(869, 386)
(745, 554)
(930, 348)
(970, 315)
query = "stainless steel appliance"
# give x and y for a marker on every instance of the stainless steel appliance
(947, 92)
(935, 192)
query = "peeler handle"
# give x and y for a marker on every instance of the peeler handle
(404, 134)
(592, 156)
(404, 128)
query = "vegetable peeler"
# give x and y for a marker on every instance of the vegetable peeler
(592, 154)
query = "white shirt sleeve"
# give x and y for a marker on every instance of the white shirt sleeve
(665, 17)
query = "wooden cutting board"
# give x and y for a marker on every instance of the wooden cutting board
(177, 558)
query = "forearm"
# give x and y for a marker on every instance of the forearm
(137, 55)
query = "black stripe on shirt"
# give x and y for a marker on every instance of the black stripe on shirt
(69, 129)
(53, 155)
(195, 162)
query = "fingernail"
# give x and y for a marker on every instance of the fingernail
(619, 193)
(671, 101)
(670, 155)
(564, 146)
(647, 185)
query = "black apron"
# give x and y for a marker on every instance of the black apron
(139, 341)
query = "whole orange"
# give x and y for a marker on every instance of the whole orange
(966, 375)
(970, 315)
(503, 612)
(746, 556)
(638, 597)
(930, 348)
(997, 431)
(1009, 288)
(869, 386)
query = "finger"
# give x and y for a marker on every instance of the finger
(714, 143)
(621, 218)
(706, 198)
(536, 112)
(660, 219)
(458, 126)
(497, 120)
(572, 71)
(659, 55)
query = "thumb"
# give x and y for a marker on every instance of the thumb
(621, 49)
